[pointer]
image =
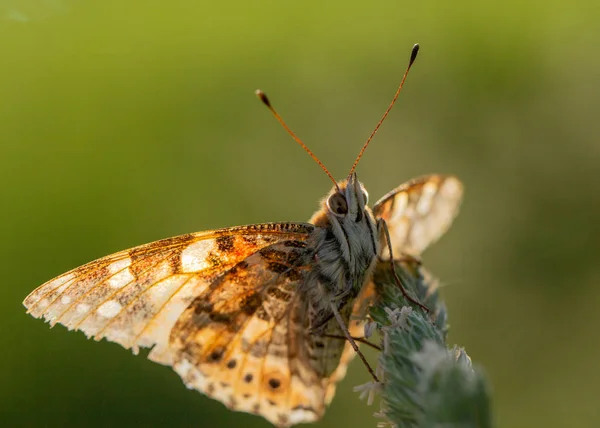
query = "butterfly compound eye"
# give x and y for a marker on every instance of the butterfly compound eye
(337, 204)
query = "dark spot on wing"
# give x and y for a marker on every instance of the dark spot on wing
(277, 267)
(295, 257)
(204, 312)
(221, 317)
(241, 265)
(248, 378)
(251, 303)
(225, 243)
(167, 250)
(273, 255)
(216, 355)
(163, 245)
(191, 351)
(231, 364)
(294, 275)
(274, 383)
(279, 294)
(214, 260)
(201, 305)
(295, 244)
(250, 239)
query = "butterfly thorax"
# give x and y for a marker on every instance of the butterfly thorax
(345, 243)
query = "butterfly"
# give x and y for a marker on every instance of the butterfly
(257, 316)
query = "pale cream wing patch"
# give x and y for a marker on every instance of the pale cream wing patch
(419, 212)
(134, 297)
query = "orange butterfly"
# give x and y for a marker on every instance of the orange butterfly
(255, 316)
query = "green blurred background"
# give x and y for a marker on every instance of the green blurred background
(125, 122)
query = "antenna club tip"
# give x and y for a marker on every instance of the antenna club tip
(414, 52)
(263, 97)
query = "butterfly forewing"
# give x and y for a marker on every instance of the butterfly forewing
(419, 212)
(135, 296)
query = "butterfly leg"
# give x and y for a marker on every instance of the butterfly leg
(356, 339)
(382, 227)
(349, 338)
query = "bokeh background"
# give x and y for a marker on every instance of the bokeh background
(125, 122)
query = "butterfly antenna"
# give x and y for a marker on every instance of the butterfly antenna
(263, 97)
(413, 57)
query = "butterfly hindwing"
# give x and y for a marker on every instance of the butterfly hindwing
(418, 212)
(244, 340)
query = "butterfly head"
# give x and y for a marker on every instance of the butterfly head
(345, 235)
(345, 213)
(347, 201)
